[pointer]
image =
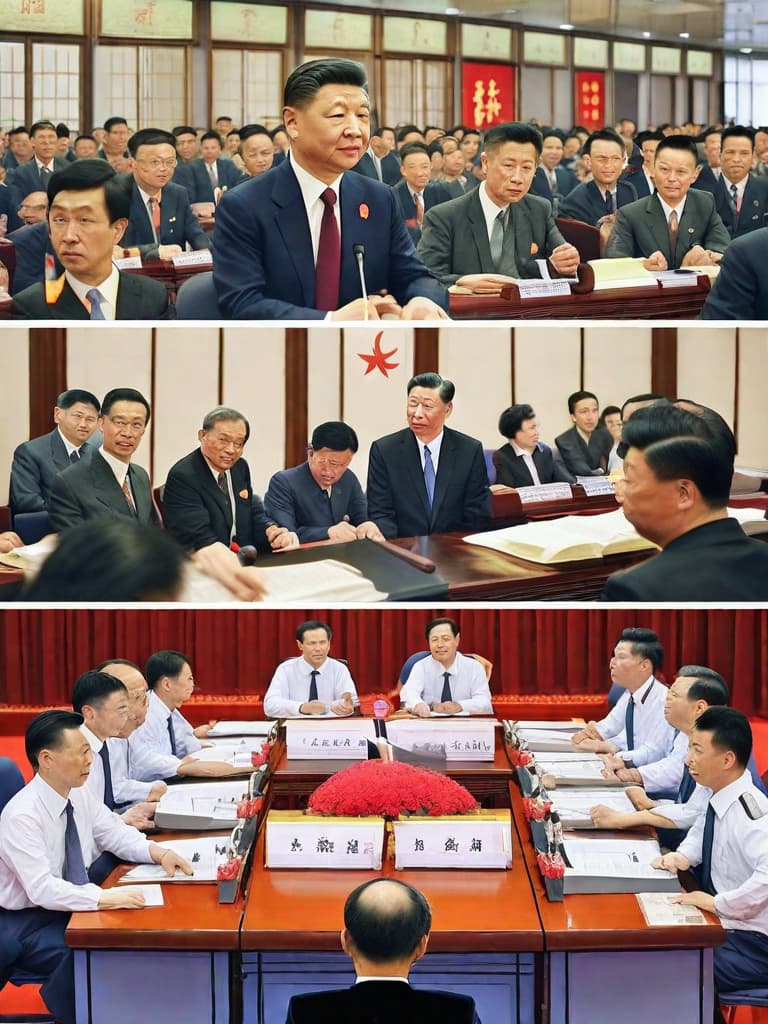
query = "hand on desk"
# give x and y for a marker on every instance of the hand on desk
(158, 789)
(656, 261)
(374, 307)
(671, 862)
(565, 259)
(121, 899)
(698, 256)
(421, 308)
(484, 284)
(281, 539)
(606, 817)
(312, 707)
(170, 861)
(640, 799)
(368, 531)
(342, 532)
(244, 581)
(191, 767)
(202, 730)
(343, 707)
(5, 280)
(447, 707)
(702, 900)
(141, 816)
(589, 732)
(167, 252)
(9, 541)
(595, 746)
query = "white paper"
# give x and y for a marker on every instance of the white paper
(326, 580)
(620, 858)
(469, 843)
(315, 843)
(544, 492)
(204, 853)
(574, 805)
(534, 288)
(465, 740)
(234, 728)
(346, 738)
(660, 912)
(128, 263)
(201, 257)
(153, 895)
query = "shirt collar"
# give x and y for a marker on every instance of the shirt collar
(108, 287)
(68, 444)
(642, 691)
(724, 797)
(118, 467)
(53, 802)
(311, 187)
(668, 209)
(93, 739)
(490, 209)
(380, 977)
(520, 451)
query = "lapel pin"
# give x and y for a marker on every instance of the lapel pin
(534, 248)
(244, 493)
(171, 220)
(364, 211)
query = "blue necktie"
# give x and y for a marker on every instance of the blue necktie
(313, 685)
(446, 694)
(705, 868)
(95, 298)
(429, 475)
(109, 796)
(172, 735)
(687, 786)
(629, 724)
(74, 868)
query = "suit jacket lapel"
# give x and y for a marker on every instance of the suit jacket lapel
(412, 465)
(68, 306)
(291, 222)
(356, 229)
(105, 486)
(480, 233)
(660, 228)
(59, 455)
(445, 468)
(208, 483)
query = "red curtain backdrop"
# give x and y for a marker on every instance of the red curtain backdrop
(488, 94)
(542, 651)
(589, 99)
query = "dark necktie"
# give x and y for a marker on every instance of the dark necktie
(705, 868)
(497, 238)
(221, 480)
(673, 232)
(610, 202)
(74, 457)
(508, 264)
(95, 298)
(313, 685)
(172, 735)
(687, 786)
(446, 695)
(109, 796)
(128, 495)
(74, 868)
(629, 724)
(735, 198)
(45, 174)
(429, 475)
(328, 266)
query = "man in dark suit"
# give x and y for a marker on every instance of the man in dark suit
(322, 498)
(739, 291)
(710, 171)
(108, 484)
(584, 448)
(32, 245)
(675, 227)
(36, 463)
(678, 466)
(415, 193)
(34, 175)
(497, 230)
(552, 180)
(87, 215)
(525, 461)
(210, 172)
(379, 161)
(386, 929)
(427, 478)
(741, 198)
(19, 149)
(279, 250)
(641, 178)
(161, 221)
(596, 201)
(115, 146)
(208, 495)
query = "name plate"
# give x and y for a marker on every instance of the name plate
(128, 263)
(199, 258)
(544, 492)
(333, 739)
(535, 288)
(457, 841)
(597, 485)
(462, 740)
(296, 840)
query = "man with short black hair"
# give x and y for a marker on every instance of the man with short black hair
(427, 478)
(596, 202)
(386, 930)
(741, 198)
(322, 499)
(85, 147)
(37, 462)
(115, 145)
(34, 175)
(446, 683)
(312, 684)
(256, 150)
(210, 174)
(584, 448)
(415, 192)
(187, 144)
(19, 149)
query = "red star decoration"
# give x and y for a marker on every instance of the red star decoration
(378, 360)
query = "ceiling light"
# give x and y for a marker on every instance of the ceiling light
(566, 28)
(745, 49)
(685, 35)
(452, 10)
(646, 35)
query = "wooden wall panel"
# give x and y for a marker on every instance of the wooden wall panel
(547, 370)
(617, 362)
(479, 362)
(753, 374)
(706, 367)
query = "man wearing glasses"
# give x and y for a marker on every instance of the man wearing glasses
(208, 495)
(161, 221)
(108, 484)
(596, 202)
(322, 498)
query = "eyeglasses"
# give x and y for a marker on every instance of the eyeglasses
(155, 164)
(132, 428)
(222, 441)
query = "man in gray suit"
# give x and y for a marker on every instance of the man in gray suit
(107, 484)
(676, 227)
(36, 463)
(498, 231)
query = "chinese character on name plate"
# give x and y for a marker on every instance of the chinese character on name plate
(352, 846)
(476, 846)
(451, 846)
(418, 846)
(324, 845)
(296, 846)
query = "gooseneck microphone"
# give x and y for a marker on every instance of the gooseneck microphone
(359, 251)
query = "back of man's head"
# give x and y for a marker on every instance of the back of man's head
(386, 920)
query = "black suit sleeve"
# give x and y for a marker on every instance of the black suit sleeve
(477, 508)
(379, 492)
(186, 515)
(436, 245)
(63, 507)
(259, 523)
(735, 293)
(26, 483)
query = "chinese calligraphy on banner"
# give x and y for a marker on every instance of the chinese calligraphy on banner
(488, 92)
(589, 99)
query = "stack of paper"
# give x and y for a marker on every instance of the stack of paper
(577, 769)
(204, 853)
(614, 865)
(203, 806)
(573, 805)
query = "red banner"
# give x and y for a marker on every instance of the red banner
(488, 94)
(589, 99)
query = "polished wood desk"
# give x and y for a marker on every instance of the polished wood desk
(172, 277)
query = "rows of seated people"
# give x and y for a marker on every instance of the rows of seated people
(480, 209)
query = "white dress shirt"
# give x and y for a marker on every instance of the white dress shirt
(739, 855)
(95, 780)
(469, 687)
(290, 684)
(311, 190)
(685, 815)
(653, 735)
(665, 774)
(668, 209)
(527, 458)
(118, 467)
(125, 788)
(150, 744)
(434, 450)
(108, 288)
(32, 828)
(490, 210)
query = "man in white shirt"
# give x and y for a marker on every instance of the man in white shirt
(50, 832)
(312, 684)
(446, 682)
(729, 847)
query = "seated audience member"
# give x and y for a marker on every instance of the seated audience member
(675, 227)
(380, 159)
(739, 292)
(306, 268)
(452, 174)
(231, 146)
(322, 498)
(447, 682)
(50, 832)
(694, 689)
(34, 208)
(710, 171)
(635, 728)
(427, 478)
(85, 147)
(114, 147)
(210, 172)
(256, 151)
(596, 201)
(415, 193)
(19, 149)
(729, 847)
(386, 929)
(161, 222)
(281, 142)
(741, 198)
(33, 247)
(678, 466)
(498, 230)
(610, 418)
(187, 144)
(552, 180)
(524, 461)
(312, 684)
(584, 448)
(208, 495)
(36, 463)
(641, 178)
(107, 484)
(87, 217)
(35, 174)
(571, 150)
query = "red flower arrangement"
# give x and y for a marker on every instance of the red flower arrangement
(260, 757)
(551, 865)
(249, 808)
(390, 788)
(536, 809)
(228, 871)
(521, 758)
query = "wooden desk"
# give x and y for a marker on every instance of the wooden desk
(485, 942)
(172, 277)
(169, 963)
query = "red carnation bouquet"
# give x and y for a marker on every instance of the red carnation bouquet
(390, 788)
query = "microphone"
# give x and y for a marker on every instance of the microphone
(359, 251)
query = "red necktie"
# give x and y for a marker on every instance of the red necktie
(328, 267)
